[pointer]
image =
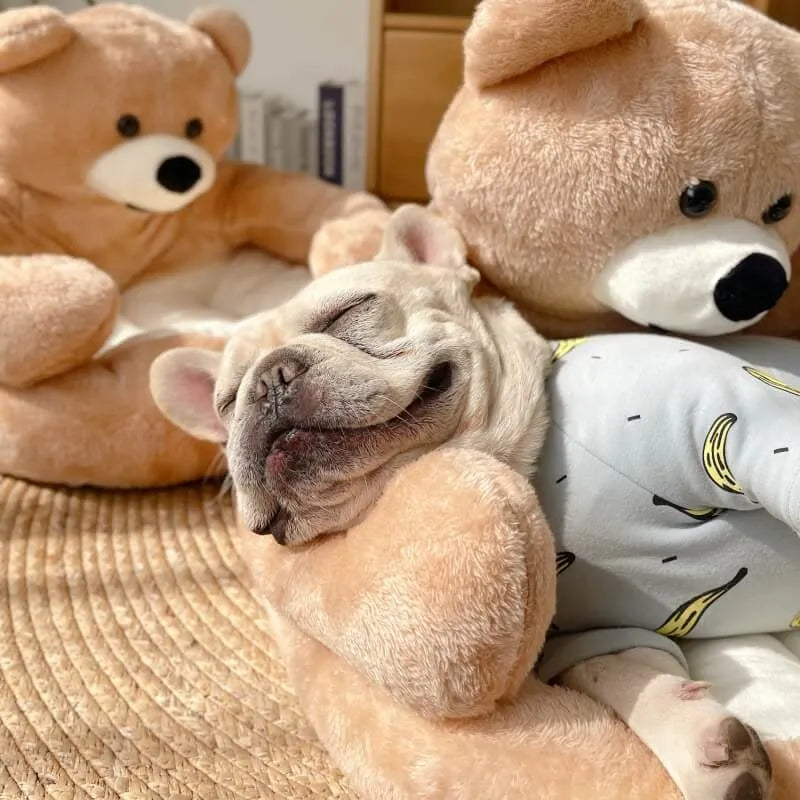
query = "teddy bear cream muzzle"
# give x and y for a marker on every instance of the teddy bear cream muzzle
(158, 173)
(700, 278)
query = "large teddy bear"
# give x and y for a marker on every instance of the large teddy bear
(113, 126)
(610, 165)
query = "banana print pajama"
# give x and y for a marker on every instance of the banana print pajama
(671, 480)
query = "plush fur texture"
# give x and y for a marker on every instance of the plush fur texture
(85, 213)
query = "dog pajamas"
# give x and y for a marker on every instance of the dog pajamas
(671, 479)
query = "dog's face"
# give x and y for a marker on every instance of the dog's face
(321, 399)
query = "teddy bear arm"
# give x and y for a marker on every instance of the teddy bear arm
(55, 313)
(442, 595)
(280, 212)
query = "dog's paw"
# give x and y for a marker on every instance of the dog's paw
(709, 754)
(732, 748)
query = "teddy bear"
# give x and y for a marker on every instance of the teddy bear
(115, 124)
(611, 166)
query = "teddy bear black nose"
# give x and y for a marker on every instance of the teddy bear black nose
(752, 287)
(179, 174)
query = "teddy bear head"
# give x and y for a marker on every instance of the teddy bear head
(627, 157)
(116, 103)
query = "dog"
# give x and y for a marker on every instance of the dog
(320, 401)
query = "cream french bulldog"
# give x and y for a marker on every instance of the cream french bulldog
(320, 401)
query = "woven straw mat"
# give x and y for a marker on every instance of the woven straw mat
(134, 661)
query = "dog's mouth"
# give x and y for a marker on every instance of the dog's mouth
(433, 388)
(291, 450)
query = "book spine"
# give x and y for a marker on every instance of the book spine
(355, 136)
(331, 123)
(277, 143)
(310, 163)
(251, 129)
(293, 140)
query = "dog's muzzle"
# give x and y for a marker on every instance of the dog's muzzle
(700, 279)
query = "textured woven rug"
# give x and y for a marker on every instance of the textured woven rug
(134, 660)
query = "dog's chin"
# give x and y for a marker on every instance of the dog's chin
(294, 523)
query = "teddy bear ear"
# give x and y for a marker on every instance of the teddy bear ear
(227, 30)
(31, 34)
(508, 38)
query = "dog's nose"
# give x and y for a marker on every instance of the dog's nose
(752, 287)
(278, 376)
(179, 174)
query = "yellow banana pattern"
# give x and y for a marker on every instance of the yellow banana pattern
(771, 380)
(687, 616)
(715, 459)
(564, 561)
(566, 346)
(795, 623)
(700, 514)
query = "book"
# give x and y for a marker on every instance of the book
(343, 134)
(310, 150)
(276, 144)
(331, 126)
(293, 142)
(252, 128)
(355, 136)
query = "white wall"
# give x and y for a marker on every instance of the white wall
(297, 44)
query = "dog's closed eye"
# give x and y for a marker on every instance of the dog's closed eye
(334, 320)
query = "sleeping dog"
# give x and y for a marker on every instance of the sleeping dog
(321, 400)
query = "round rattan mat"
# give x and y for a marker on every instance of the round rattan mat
(135, 662)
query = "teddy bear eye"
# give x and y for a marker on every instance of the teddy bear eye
(698, 199)
(778, 210)
(128, 125)
(194, 127)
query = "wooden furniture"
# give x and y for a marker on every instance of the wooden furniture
(416, 68)
(415, 71)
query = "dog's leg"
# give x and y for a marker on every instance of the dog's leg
(708, 753)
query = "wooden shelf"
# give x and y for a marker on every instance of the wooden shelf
(425, 22)
(416, 68)
(438, 8)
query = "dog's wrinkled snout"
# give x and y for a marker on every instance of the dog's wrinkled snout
(279, 378)
(752, 287)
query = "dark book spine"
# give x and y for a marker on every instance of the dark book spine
(331, 133)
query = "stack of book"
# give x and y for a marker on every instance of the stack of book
(330, 144)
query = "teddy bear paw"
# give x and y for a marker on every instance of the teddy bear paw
(55, 313)
(348, 240)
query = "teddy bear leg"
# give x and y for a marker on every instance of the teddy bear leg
(547, 743)
(55, 313)
(97, 425)
(710, 754)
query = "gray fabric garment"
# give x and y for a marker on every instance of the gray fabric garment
(671, 479)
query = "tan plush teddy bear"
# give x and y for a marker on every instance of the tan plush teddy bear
(113, 126)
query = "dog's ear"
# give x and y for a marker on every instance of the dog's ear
(28, 35)
(182, 386)
(416, 235)
(228, 31)
(508, 38)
